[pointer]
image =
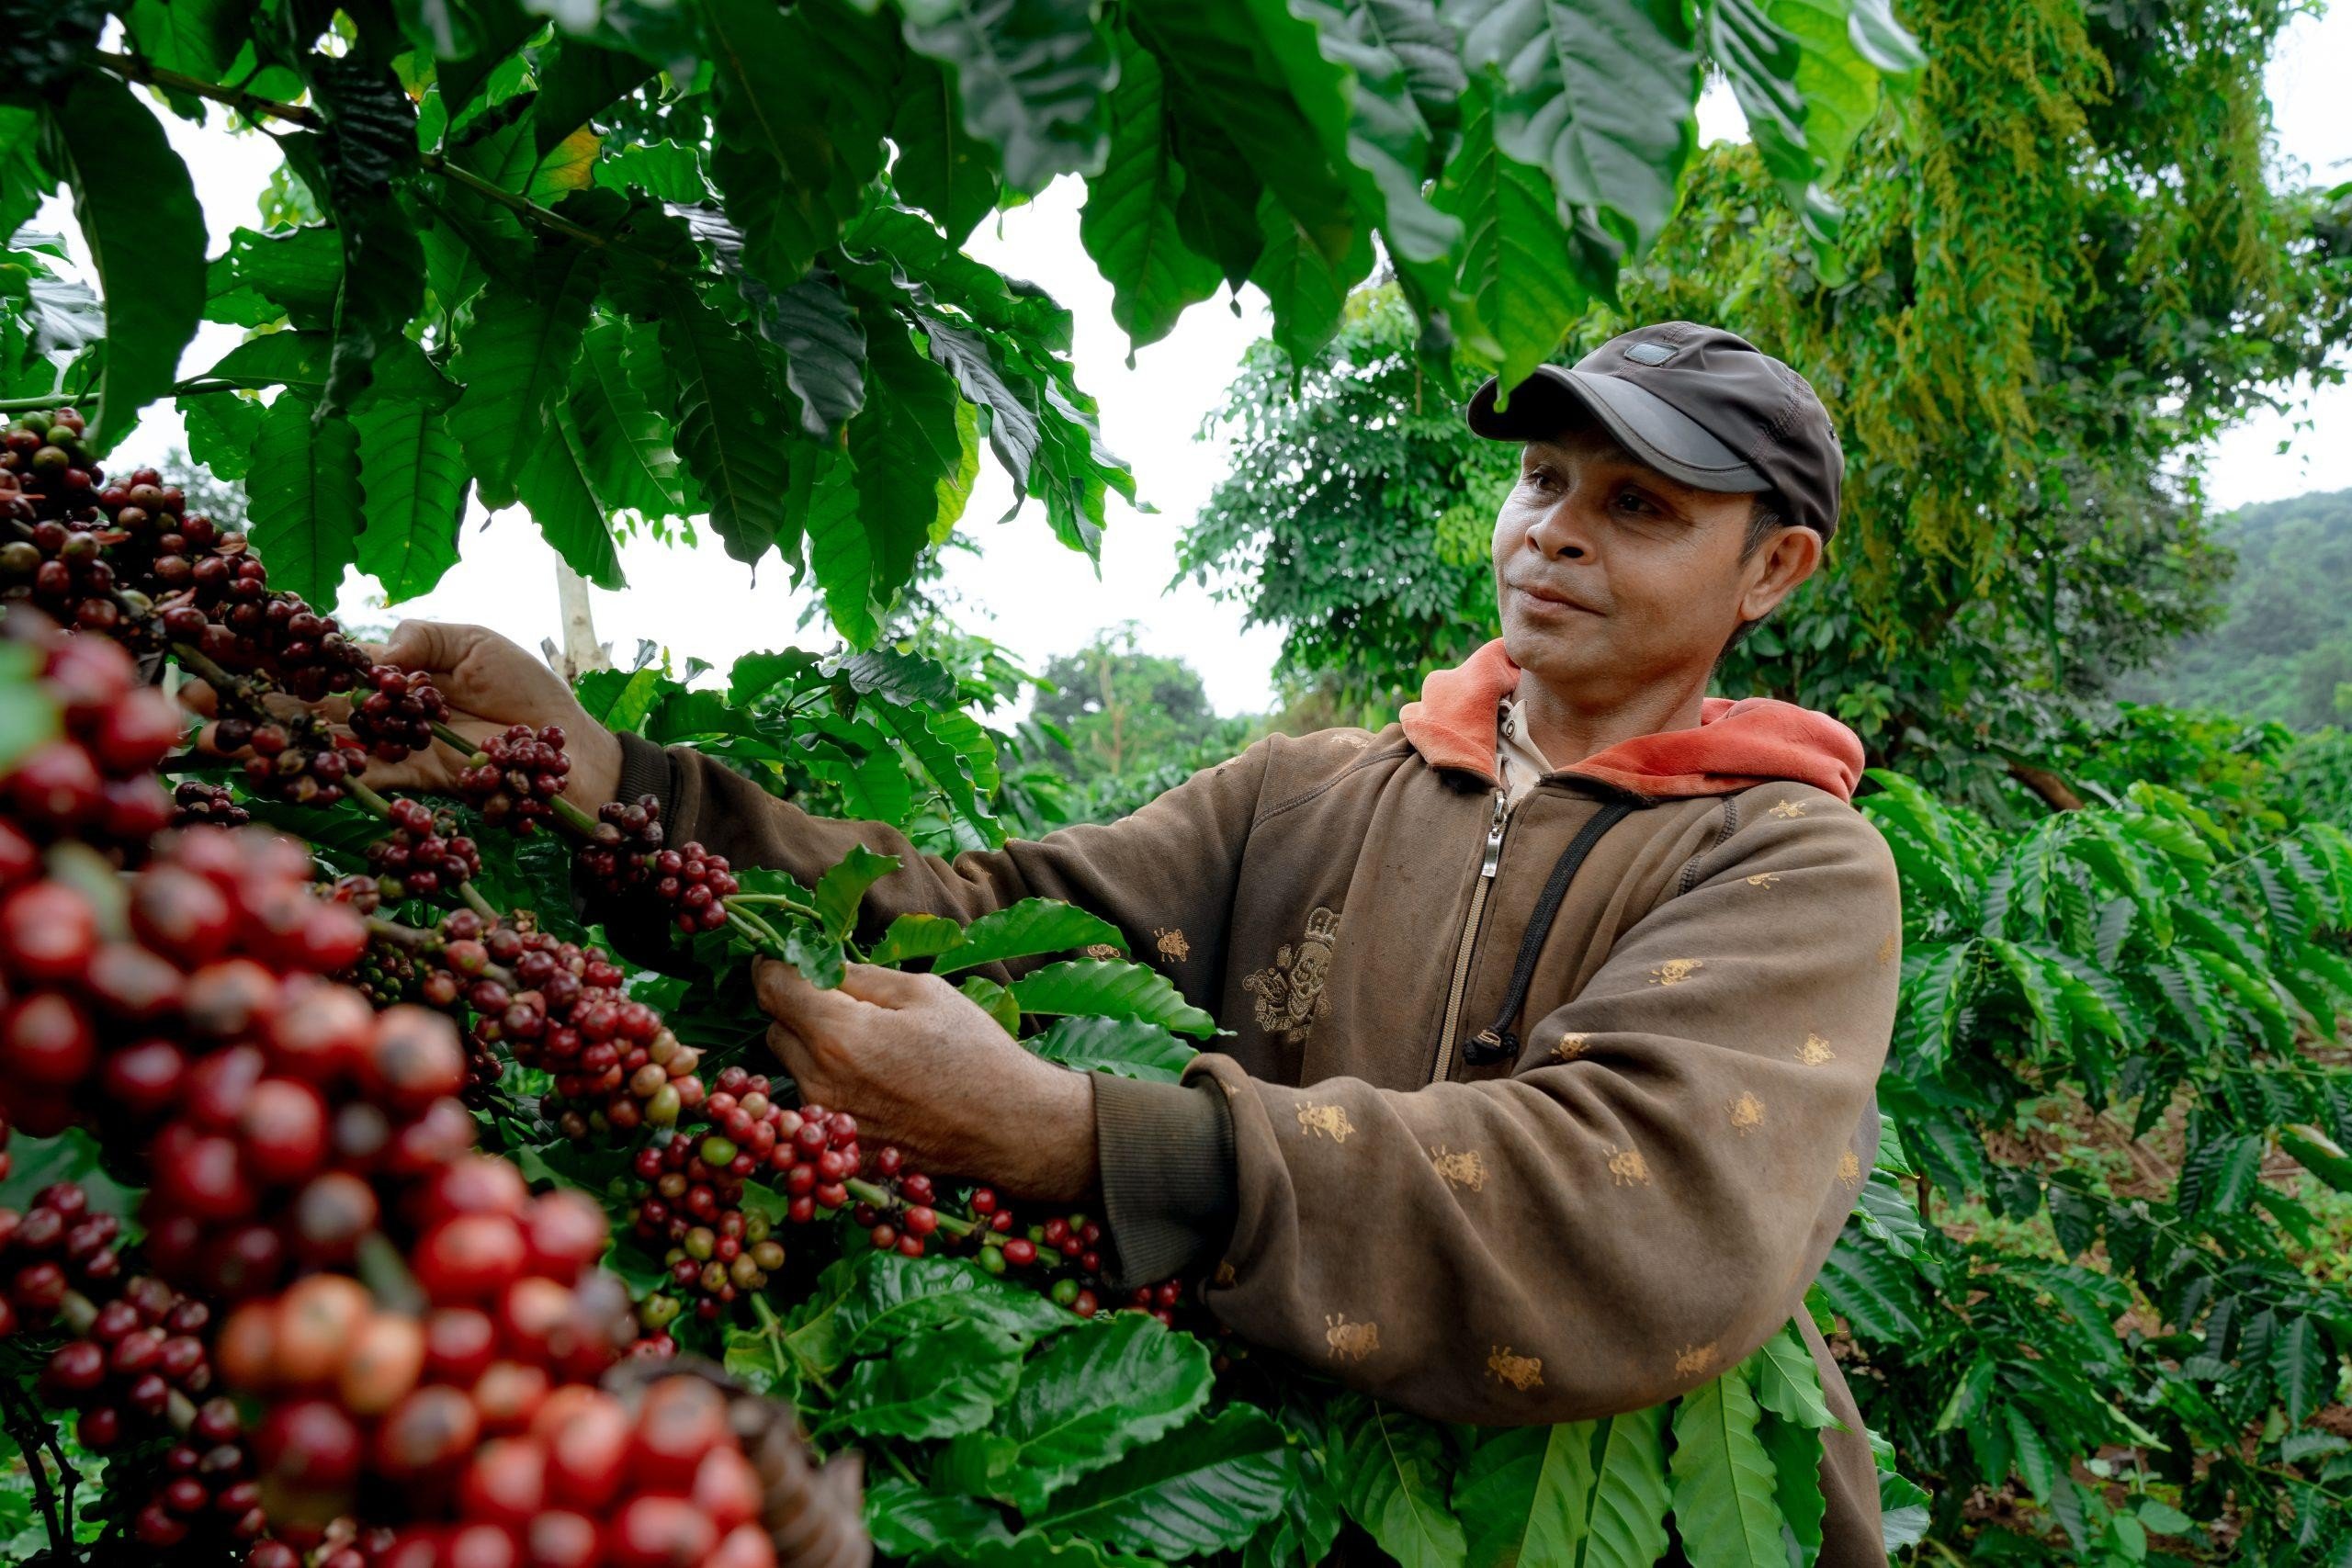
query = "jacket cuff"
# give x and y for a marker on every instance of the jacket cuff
(1169, 1185)
(645, 769)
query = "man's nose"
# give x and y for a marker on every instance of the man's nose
(1562, 532)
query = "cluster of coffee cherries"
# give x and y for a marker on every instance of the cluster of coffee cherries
(716, 1253)
(387, 974)
(672, 1473)
(423, 853)
(197, 803)
(298, 758)
(136, 1364)
(1061, 1255)
(558, 1006)
(397, 713)
(56, 1249)
(362, 1399)
(627, 857)
(48, 511)
(45, 452)
(280, 1115)
(101, 976)
(93, 783)
(515, 776)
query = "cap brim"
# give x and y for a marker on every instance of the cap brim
(1554, 398)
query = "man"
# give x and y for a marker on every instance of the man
(1554, 1008)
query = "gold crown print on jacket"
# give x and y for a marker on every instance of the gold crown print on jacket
(1290, 991)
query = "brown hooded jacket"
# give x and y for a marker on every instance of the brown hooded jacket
(1529, 1111)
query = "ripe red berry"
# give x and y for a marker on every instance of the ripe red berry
(471, 1258)
(311, 1445)
(48, 932)
(283, 1130)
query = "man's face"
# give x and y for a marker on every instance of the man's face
(1613, 577)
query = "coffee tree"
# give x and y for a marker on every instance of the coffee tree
(353, 1165)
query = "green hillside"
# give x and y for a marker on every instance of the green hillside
(2284, 650)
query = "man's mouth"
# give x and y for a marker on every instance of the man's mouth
(1542, 595)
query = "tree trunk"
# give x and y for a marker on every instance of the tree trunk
(2047, 784)
(581, 652)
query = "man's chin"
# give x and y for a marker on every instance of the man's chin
(1557, 654)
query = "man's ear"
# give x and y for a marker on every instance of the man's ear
(1774, 571)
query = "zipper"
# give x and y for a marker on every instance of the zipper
(1487, 865)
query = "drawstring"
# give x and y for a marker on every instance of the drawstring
(1499, 1040)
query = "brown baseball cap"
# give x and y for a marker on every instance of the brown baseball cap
(1698, 404)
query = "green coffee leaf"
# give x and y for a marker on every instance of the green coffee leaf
(1205, 1487)
(1726, 1508)
(1110, 989)
(1130, 225)
(221, 431)
(1123, 1046)
(1524, 298)
(915, 935)
(297, 274)
(554, 487)
(516, 358)
(577, 79)
(1796, 1453)
(822, 507)
(139, 217)
(908, 450)
(802, 98)
(1582, 82)
(1394, 1472)
(1873, 1292)
(1030, 77)
(1629, 1496)
(994, 1000)
(1522, 1495)
(940, 168)
(935, 1383)
(1903, 1512)
(914, 1524)
(824, 349)
(843, 885)
(304, 499)
(1025, 930)
(624, 443)
(413, 475)
(1095, 1392)
(1786, 1381)
(728, 427)
(894, 1296)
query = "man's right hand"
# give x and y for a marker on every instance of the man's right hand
(491, 684)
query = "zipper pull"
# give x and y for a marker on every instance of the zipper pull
(1495, 837)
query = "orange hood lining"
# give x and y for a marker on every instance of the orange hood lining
(1736, 745)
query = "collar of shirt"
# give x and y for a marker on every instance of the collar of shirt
(1517, 761)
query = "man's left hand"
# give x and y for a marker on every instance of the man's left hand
(921, 1066)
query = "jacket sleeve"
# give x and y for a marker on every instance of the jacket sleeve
(1169, 866)
(1639, 1205)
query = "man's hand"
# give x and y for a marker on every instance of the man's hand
(491, 684)
(921, 1066)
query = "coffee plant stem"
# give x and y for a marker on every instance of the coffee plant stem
(224, 684)
(131, 68)
(27, 405)
(455, 741)
(582, 825)
(762, 936)
(865, 1191)
(781, 900)
(33, 1438)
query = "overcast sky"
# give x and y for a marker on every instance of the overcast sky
(1024, 588)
